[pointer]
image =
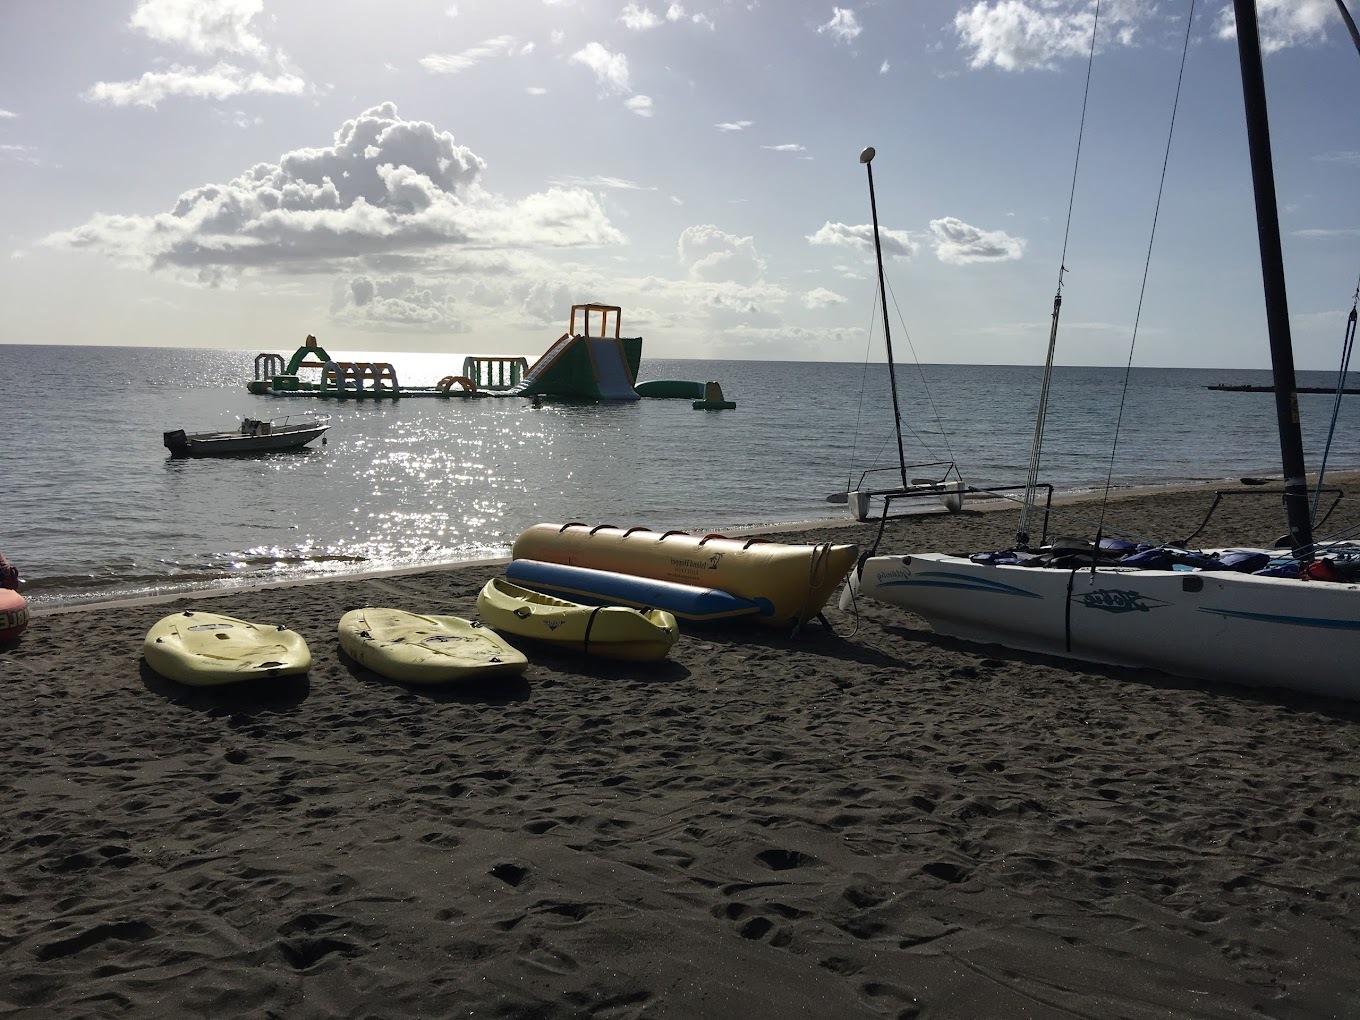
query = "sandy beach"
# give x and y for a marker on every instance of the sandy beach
(863, 820)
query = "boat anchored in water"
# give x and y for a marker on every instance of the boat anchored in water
(289, 432)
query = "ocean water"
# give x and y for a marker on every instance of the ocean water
(92, 506)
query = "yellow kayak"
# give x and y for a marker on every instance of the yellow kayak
(207, 650)
(611, 632)
(426, 649)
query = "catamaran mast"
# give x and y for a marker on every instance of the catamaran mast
(867, 158)
(1272, 273)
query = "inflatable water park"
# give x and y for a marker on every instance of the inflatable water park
(578, 366)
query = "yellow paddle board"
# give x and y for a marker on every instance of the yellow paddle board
(206, 649)
(426, 649)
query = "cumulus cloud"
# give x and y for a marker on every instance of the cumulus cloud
(202, 26)
(452, 63)
(638, 18)
(223, 81)
(958, 243)
(895, 243)
(711, 255)
(1019, 35)
(1283, 23)
(641, 105)
(611, 69)
(822, 298)
(396, 303)
(5, 114)
(385, 186)
(843, 26)
(734, 125)
(786, 147)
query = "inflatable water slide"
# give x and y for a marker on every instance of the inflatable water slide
(585, 366)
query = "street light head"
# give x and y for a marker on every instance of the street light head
(867, 155)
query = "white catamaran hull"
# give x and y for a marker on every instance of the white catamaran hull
(1217, 625)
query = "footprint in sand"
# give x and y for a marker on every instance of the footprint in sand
(785, 860)
(910, 1006)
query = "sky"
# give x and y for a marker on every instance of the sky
(454, 175)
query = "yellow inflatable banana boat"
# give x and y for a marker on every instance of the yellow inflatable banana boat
(793, 581)
(207, 650)
(426, 649)
(611, 632)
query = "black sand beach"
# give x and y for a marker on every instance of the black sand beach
(862, 821)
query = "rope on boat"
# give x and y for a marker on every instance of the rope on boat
(1147, 264)
(1346, 344)
(1036, 447)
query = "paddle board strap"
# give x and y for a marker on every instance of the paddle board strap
(585, 641)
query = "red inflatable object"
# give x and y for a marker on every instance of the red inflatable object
(13, 614)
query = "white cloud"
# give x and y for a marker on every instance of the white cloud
(451, 11)
(452, 63)
(883, 67)
(617, 183)
(711, 255)
(734, 125)
(786, 147)
(843, 26)
(222, 81)
(1019, 35)
(675, 12)
(895, 243)
(704, 21)
(611, 69)
(386, 187)
(639, 19)
(1352, 158)
(1326, 233)
(202, 26)
(535, 90)
(396, 303)
(822, 298)
(1283, 23)
(958, 243)
(20, 154)
(641, 105)
(6, 114)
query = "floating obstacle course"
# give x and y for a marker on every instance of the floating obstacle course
(578, 366)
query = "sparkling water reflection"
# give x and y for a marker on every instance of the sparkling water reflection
(92, 503)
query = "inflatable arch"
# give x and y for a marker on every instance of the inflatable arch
(309, 348)
(466, 385)
(348, 378)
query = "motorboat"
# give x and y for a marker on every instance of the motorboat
(289, 432)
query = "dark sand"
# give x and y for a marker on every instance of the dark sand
(865, 823)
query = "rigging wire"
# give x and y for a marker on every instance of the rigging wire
(1346, 345)
(863, 386)
(1147, 263)
(1041, 414)
(925, 385)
